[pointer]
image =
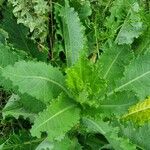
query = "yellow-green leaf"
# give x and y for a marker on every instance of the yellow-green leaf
(139, 113)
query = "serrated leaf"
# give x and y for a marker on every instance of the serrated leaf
(136, 134)
(72, 34)
(57, 119)
(142, 45)
(64, 144)
(20, 141)
(139, 113)
(110, 133)
(118, 103)
(83, 8)
(114, 58)
(15, 108)
(125, 19)
(132, 26)
(136, 77)
(37, 79)
(7, 57)
(45, 145)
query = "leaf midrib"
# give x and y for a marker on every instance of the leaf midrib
(122, 105)
(111, 65)
(55, 115)
(42, 78)
(137, 111)
(128, 83)
(96, 125)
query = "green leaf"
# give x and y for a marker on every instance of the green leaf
(31, 104)
(132, 26)
(139, 113)
(18, 36)
(37, 79)
(1, 2)
(72, 34)
(126, 20)
(85, 82)
(118, 103)
(114, 58)
(57, 119)
(110, 133)
(3, 36)
(136, 77)
(15, 108)
(142, 44)
(83, 8)
(20, 141)
(65, 144)
(138, 135)
(7, 57)
(45, 145)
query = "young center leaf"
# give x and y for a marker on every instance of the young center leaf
(85, 83)
(37, 79)
(57, 119)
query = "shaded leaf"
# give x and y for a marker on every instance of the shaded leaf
(18, 36)
(21, 141)
(31, 104)
(34, 15)
(15, 108)
(110, 132)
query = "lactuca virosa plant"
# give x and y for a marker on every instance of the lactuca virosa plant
(78, 71)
